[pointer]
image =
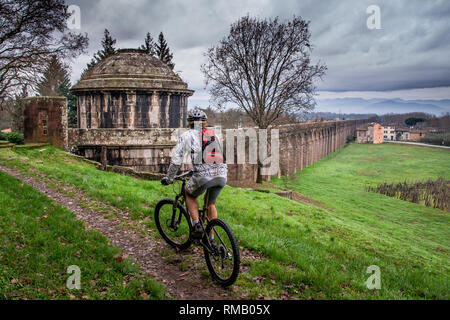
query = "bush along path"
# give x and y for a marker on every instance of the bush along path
(184, 274)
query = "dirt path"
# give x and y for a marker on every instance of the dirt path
(151, 253)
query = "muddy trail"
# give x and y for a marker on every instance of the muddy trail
(184, 274)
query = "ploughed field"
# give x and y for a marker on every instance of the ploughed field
(308, 251)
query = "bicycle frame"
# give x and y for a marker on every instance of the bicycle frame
(203, 213)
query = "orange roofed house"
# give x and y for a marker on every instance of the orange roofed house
(373, 133)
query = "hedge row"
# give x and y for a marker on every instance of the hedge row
(12, 137)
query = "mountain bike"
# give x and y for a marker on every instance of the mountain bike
(175, 226)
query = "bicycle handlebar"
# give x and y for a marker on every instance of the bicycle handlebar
(184, 175)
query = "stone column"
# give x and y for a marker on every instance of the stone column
(94, 110)
(300, 157)
(131, 108)
(322, 143)
(154, 111)
(82, 112)
(330, 147)
(314, 145)
(304, 150)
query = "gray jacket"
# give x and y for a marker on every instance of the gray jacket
(190, 142)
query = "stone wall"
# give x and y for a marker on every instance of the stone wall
(141, 149)
(149, 149)
(300, 145)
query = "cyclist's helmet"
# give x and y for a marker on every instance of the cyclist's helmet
(196, 115)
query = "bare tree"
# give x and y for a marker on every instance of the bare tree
(31, 32)
(264, 67)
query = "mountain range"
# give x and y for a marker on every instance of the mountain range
(382, 106)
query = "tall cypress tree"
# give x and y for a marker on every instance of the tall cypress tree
(149, 45)
(64, 89)
(56, 82)
(163, 51)
(55, 74)
(107, 50)
(108, 46)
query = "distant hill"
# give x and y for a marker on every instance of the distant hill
(382, 106)
(334, 115)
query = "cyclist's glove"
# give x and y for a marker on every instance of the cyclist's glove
(166, 181)
(172, 171)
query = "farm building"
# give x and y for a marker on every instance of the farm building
(372, 133)
(417, 134)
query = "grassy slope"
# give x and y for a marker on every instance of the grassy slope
(38, 241)
(312, 252)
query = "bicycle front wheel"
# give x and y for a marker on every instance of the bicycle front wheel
(174, 226)
(223, 263)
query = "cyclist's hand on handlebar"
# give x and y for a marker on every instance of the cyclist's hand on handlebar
(166, 181)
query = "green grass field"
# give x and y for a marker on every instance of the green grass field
(39, 240)
(310, 252)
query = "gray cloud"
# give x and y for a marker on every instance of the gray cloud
(410, 51)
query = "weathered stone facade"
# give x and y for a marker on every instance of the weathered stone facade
(131, 90)
(45, 120)
(300, 145)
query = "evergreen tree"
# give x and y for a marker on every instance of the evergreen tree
(163, 51)
(64, 90)
(56, 82)
(149, 45)
(55, 75)
(107, 50)
(17, 110)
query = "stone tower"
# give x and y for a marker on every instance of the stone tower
(131, 90)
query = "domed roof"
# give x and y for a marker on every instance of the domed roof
(131, 69)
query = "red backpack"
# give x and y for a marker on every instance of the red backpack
(211, 149)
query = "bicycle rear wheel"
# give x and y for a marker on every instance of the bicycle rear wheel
(176, 234)
(224, 263)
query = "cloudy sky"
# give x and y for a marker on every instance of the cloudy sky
(407, 58)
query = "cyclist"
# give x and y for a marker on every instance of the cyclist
(207, 175)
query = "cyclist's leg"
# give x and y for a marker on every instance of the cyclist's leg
(194, 188)
(192, 206)
(214, 190)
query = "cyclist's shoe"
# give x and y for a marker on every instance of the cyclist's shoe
(214, 245)
(197, 231)
(211, 244)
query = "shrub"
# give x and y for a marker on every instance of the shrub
(431, 193)
(442, 139)
(3, 136)
(15, 137)
(350, 139)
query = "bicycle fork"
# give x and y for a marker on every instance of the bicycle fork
(174, 223)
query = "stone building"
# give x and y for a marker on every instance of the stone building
(371, 133)
(131, 90)
(417, 134)
(129, 106)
